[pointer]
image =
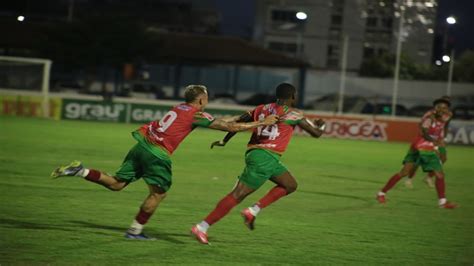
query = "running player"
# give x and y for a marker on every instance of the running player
(150, 157)
(442, 150)
(424, 151)
(262, 159)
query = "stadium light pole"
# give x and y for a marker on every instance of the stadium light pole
(396, 74)
(342, 84)
(451, 20)
(70, 11)
(302, 17)
(450, 73)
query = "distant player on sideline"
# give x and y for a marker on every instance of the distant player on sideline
(150, 157)
(262, 159)
(442, 151)
(424, 151)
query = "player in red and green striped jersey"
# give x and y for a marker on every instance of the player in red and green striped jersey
(262, 159)
(424, 152)
(441, 149)
(150, 157)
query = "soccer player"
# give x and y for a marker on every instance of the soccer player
(262, 159)
(442, 150)
(150, 157)
(424, 151)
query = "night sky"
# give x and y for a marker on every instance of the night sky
(238, 19)
(462, 33)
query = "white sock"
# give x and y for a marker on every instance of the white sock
(380, 193)
(135, 228)
(254, 210)
(203, 226)
(442, 201)
(83, 173)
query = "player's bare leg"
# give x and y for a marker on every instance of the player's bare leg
(411, 175)
(286, 184)
(440, 189)
(77, 169)
(405, 171)
(155, 196)
(147, 209)
(429, 180)
(239, 193)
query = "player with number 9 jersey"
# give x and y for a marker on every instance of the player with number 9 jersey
(170, 131)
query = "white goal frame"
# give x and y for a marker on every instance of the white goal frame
(45, 79)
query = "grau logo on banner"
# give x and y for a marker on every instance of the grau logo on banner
(93, 110)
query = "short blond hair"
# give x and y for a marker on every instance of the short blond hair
(193, 91)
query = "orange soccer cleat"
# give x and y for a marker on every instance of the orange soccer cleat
(200, 235)
(381, 199)
(448, 205)
(249, 218)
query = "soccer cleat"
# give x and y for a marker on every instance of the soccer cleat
(429, 182)
(448, 205)
(68, 170)
(381, 199)
(200, 235)
(138, 237)
(249, 218)
(409, 183)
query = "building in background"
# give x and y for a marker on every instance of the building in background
(371, 25)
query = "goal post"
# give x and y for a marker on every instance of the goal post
(13, 76)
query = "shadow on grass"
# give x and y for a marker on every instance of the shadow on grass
(355, 179)
(19, 224)
(368, 202)
(159, 235)
(366, 199)
(12, 223)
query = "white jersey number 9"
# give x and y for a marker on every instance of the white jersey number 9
(166, 121)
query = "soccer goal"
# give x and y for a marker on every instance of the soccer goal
(23, 75)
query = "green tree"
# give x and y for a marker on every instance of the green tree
(383, 66)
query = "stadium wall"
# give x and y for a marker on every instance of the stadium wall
(127, 110)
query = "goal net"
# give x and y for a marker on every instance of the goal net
(26, 76)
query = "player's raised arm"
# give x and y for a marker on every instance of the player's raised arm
(245, 117)
(220, 124)
(314, 130)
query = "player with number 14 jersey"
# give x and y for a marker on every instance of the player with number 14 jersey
(262, 159)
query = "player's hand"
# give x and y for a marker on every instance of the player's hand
(218, 143)
(443, 157)
(440, 143)
(270, 120)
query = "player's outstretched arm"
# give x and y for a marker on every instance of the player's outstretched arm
(246, 117)
(220, 124)
(314, 130)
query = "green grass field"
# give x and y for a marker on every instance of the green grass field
(333, 218)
